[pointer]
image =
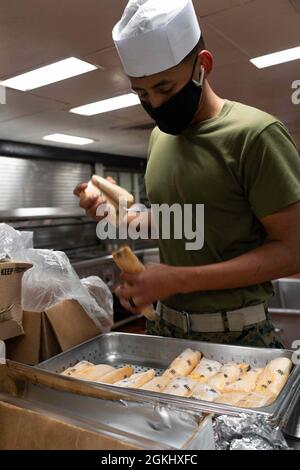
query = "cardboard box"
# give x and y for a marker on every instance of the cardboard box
(48, 333)
(24, 429)
(11, 313)
(71, 324)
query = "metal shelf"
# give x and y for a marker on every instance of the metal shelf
(41, 213)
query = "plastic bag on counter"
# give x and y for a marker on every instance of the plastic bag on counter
(100, 292)
(13, 243)
(247, 432)
(53, 279)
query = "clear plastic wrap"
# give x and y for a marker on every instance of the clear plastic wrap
(53, 279)
(13, 243)
(247, 432)
(103, 300)
(99, 291)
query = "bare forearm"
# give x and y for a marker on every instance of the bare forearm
(271, 261)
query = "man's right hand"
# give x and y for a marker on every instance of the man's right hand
(90, 205)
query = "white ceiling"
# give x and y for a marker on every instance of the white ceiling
(35, 33)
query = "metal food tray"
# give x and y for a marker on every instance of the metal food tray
(144, 352)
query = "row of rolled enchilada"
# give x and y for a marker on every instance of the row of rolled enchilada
(192, 375)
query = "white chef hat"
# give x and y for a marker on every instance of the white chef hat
(155, 35)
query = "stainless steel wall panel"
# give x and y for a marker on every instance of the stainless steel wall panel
(29, 183)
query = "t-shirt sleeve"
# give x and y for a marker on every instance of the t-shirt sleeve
(271, 171)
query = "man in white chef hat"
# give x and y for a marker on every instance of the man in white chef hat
(239, 162)
(159, 45)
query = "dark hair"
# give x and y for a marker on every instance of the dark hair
(199, 47)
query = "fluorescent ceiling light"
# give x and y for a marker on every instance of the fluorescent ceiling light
(119, 102)
(68, 139)
(53, 73)
(276, 58)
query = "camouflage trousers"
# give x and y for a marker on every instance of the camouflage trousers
(261, 335)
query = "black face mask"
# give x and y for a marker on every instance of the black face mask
(175, 116)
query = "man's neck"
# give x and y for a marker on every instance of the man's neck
(210, 105)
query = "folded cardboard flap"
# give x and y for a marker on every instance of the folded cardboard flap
(49, 346)
(38, 344)
(12, 328)
(48, 333)
(11, 273)
(71, 324)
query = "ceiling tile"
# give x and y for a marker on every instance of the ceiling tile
(35, 32)
(260, 27)
(20, 104)
(210, 7)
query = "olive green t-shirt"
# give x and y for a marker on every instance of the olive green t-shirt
(242, 165)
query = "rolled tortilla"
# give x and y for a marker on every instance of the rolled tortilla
(95, 373)
(205, 392)
(181, 387)
(228, 374)
(75, 370)
(205, 370)
(274, 376)
(256, 400)
(246, 383)
(117, 375)
(136, 380)
(113, 191)
(231, 398)
(183, 364)
(158, 384)
(244, 367)
(126, 260)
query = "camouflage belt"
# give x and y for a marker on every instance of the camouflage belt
(236, 320)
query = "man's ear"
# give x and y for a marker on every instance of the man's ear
(207, 61)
